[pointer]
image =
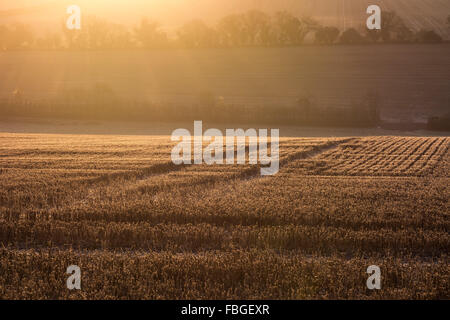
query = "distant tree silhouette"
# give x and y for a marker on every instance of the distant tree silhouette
(305, 107)
(196, 34)
(393, 28)
(4, 31)
(351, 36)
(373, 102)
(257, 28)
(149, 35)
(327, 35)
(404, 34)
(98, 34)
(119, 37)
(82, 39)
(97, 31)
(50, 41)
(373, 35)
(69, 36)
(428, 36)
(15, 37)
(230, 31)
(388, 24)
(291, 30)
(441, 123)
(251, 28)
(22, 36)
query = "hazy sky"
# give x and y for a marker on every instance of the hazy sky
(48, 14)
(167, 11)
(129, 8)
(170, 13)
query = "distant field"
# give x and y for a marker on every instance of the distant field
(412, 80)
(141, 227)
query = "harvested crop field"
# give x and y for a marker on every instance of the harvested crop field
(141, 227)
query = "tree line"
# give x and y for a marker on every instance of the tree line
(100, 102)
(252, 28)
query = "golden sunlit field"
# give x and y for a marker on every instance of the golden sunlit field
(337, 187)
(141, 227)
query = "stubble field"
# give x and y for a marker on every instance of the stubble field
(140, 227)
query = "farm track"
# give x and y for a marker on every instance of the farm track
(250, 173)
(133, 180)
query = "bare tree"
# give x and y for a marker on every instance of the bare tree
(4, 31)
(97, 32)
(50, 41)
(257, 28)
(373, 35)
(17, 36)
(290, 29)
(231, 31)
(394, 28)
(327, 35)
(119, 37)
(428, 36)
(196, 34)
(351, 36)
(149, 34)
